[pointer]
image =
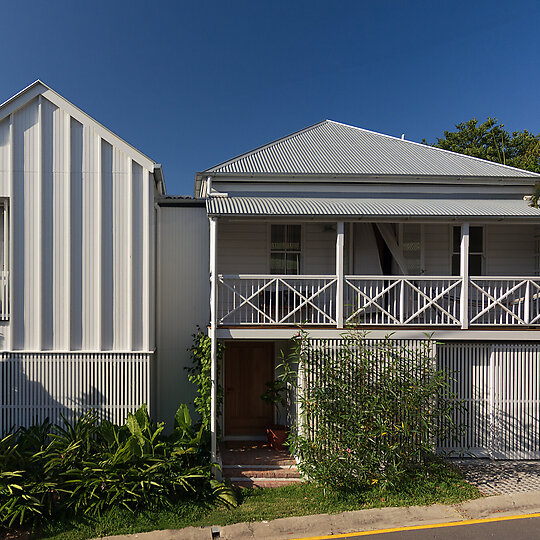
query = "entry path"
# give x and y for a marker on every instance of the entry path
(494, 477)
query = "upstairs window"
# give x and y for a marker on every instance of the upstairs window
(476, 251)
(285, 249)
(410, 240)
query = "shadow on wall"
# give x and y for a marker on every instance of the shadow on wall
(36, 388)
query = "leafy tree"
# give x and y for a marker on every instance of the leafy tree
(489, 140)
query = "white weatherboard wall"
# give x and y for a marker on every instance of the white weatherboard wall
(81, 245)
(244, 247)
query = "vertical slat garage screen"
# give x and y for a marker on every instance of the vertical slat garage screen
(499, 386)
(497, 389)
(37, 386)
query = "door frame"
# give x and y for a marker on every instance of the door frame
(224, 436)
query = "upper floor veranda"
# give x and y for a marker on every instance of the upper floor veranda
(374, 274)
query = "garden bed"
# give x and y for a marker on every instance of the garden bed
(438, 483)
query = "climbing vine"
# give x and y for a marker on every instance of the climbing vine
(200, 374)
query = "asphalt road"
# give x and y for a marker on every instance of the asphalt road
(518, 529)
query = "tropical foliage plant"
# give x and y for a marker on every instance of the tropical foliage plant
(89, 466)
(370, 410)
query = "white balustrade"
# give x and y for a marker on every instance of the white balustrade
(377, 300)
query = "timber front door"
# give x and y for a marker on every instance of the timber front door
(248, 366)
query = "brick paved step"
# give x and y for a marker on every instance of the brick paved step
(264, 482)
(253, 472)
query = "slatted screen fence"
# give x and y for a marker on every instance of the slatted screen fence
(320, 352)
(37, 386)
(499, 384)
(496, 387)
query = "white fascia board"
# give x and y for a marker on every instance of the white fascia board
(395, 190)
(20, 99)
(499, 334)
(371, 179)
(440, 220)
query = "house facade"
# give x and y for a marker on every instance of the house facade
(105, 277)
(335, 226)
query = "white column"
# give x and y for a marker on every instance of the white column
(213, 324)
(464, 272)
(340, 243)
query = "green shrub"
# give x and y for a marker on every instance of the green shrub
(371, 410)
(90, 466)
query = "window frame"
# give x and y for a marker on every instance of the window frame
(483, 258)
(422, 240)
(300, 252)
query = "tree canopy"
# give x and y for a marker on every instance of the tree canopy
(489, 140)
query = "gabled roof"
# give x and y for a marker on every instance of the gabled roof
(40, 88)
(332, 148)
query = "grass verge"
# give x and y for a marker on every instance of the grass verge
(437, 484)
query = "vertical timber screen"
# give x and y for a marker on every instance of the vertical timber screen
(499, 385)
(495, 388)
(319, 351)
(39, 386)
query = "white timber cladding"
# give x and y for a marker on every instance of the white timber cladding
(243, 248)
(81, 231)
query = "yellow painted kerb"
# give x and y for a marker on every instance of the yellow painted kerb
(418, 527)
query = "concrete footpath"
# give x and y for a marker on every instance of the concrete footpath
(360, 520)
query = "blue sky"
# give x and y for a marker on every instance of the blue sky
(192, 84)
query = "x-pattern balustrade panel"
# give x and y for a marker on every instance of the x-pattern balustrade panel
(403, 300)
(503, 301)
(277, 300)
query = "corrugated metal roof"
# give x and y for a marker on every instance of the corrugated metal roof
(326, 205)
(339, 149)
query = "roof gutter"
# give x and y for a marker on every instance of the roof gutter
(159, 179)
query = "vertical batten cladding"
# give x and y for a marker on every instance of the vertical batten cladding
(81, 235)
(58, 243)
(137, 209)
(109, 258)
(76, 240)
(91, 251)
